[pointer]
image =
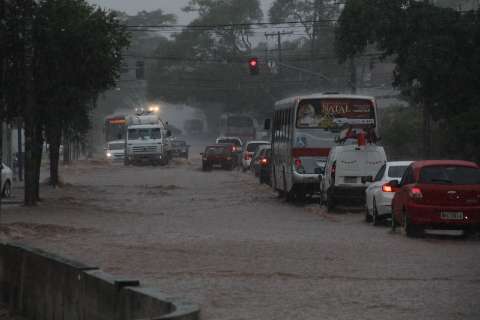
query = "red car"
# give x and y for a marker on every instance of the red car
(219, 155)
(437, 194)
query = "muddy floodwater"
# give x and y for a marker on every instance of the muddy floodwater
(227, 243)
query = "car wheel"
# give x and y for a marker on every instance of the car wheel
(376, 221)
(368, 216)
(410, 229)
(7, 189)
(330, 202)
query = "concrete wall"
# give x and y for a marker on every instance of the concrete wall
(42, 286)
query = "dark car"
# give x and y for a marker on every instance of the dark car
(180, 148)
(437, 194)
(218, 155)
(258, 156)
(266, 167)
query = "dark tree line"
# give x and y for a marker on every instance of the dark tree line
(56, 57)
(437, 56)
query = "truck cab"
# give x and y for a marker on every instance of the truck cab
(146, 140)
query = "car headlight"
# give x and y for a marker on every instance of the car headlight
(109, 154)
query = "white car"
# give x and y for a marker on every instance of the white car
(249, 150)
(378, 195)
(7, 178)
(115, 150)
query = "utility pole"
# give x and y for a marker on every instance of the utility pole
(279, 35)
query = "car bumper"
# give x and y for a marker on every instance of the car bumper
(431, 216)
(384, 203)
(348, 193)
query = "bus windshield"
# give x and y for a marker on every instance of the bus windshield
(334, 114)
(239, 121)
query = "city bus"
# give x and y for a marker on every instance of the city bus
(238, 125)
(305, 128)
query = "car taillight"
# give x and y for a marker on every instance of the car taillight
(387, 188)
(299, 166)
(415, 193)
(264, 161)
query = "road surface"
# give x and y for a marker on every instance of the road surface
(223, 241)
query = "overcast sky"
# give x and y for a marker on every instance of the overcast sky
(168, 6)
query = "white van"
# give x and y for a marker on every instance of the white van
(348, 172)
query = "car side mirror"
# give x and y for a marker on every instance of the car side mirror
(267, 124)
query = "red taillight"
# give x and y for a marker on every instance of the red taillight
(415, 193)
(298, 163)
(264, 161)
(387, 188)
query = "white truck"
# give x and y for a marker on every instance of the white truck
(146, 139)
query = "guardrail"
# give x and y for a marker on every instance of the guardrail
(39, 285)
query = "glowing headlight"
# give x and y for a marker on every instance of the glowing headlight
(109, 154)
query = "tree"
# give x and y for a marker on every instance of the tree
(207, 67)
(436, 55)
(78, 51)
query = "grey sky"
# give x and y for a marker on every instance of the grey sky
(169, 6)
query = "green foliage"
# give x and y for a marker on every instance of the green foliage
(400, 129)
(78, 55)
(206, 67)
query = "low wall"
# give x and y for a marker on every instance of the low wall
(38, 285)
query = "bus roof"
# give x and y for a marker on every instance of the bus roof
(288, 101)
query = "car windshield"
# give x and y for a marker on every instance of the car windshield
(230, 141)
(216, 151)
(179, 143)
(252, 147)
(457, 175)
(396, 171)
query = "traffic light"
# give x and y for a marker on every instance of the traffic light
(253, 66)
(140, 70)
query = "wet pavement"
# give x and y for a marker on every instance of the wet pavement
(222, 240)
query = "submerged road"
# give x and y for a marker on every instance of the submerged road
(223, 241)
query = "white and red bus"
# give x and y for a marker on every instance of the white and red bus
(305, 128)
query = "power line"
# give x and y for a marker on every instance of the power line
(231, 25)
(291, 58)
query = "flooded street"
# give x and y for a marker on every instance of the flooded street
(227, 243)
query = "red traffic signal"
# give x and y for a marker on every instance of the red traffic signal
(253, 65)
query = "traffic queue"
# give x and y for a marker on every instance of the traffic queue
(325, 146)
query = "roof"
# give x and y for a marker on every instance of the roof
(258, 141)
(398, 163)
(427, 163)
(219, 145)
(145, 126)
(323, 96)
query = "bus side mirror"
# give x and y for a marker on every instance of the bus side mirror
(267, 124)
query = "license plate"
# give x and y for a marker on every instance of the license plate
(447, 215)
(350, 180)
